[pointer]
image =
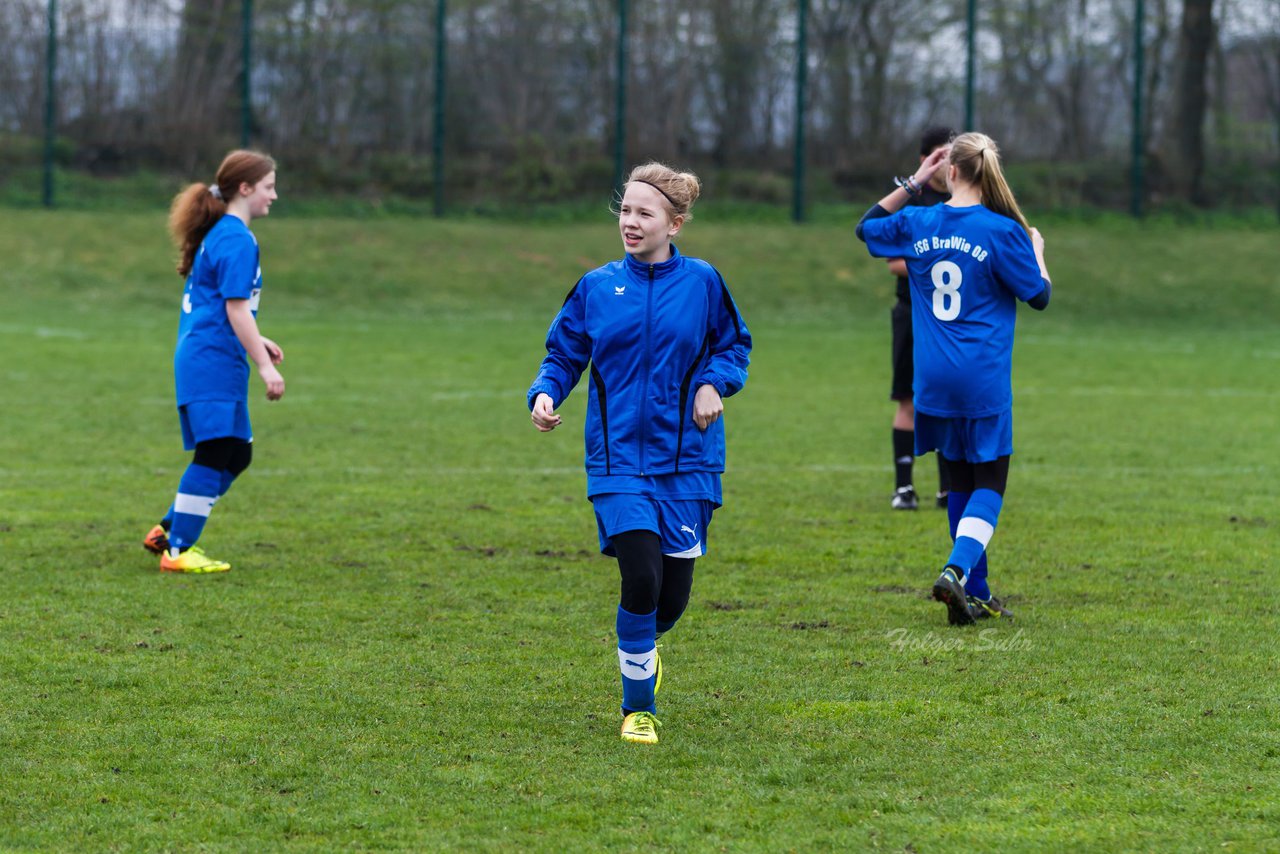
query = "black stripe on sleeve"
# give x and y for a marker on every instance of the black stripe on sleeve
(728, 304)
(573, 290)
(604, 414)
(684, 397)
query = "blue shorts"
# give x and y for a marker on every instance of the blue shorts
(680, 524)
(972, 440)
(214, 419)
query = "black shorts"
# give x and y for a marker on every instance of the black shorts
(903, 366)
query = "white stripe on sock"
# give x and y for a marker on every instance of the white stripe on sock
(638, 665)
(193, 505)
(975, 529)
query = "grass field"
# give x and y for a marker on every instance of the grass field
(415, 649)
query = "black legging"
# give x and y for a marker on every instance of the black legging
(966, 477)
(228, 454)
(651, 579)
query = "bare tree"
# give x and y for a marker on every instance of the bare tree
(344, 89)
(21, 31)
(1186, 134)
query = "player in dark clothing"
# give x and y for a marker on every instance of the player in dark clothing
(904, 495)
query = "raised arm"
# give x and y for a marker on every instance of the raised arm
(897, 199)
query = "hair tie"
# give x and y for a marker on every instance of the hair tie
(660, 190)
(215, 191)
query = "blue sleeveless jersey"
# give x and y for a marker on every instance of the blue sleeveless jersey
(209, 362)
(967, 266)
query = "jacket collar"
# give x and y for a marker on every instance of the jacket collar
(666, 268)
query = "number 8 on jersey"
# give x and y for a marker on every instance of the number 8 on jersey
(946, 289)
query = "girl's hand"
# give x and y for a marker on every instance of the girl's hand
(932, 164)
(707, 406)
(273, 350)
(275, 382)
(544, 414)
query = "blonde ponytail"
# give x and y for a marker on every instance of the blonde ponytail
(977, 160)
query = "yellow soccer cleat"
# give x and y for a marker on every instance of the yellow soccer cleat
(157, 540)
(657, 682)
(193, 560)
(640, 728)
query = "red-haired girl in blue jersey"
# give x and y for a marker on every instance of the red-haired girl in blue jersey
(217, 329)
(969, 261)
(665, 344)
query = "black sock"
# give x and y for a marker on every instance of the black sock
(904, 448)
(944, 475)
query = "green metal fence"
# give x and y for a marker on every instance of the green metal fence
(522, 106)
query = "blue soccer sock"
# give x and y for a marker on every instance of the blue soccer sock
(976, 582)
(227, 479)
(973, 532)
(197, 493)
(637, 659)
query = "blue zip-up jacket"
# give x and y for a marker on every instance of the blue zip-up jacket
(653, 334)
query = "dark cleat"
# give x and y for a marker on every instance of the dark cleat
(157, 541)
(984, 609)
(905, 499)
(949, 590)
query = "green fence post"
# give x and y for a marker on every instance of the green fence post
(802, 81)
(50, 117)
(970, 62)
(437, 128)
(620, 99)
(246, 63)
(1139, 145)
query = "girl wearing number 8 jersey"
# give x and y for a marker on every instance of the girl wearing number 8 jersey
(968, 261)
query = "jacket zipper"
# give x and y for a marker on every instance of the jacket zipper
(648, 378)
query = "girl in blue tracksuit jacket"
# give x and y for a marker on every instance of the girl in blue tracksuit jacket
(665, 344)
